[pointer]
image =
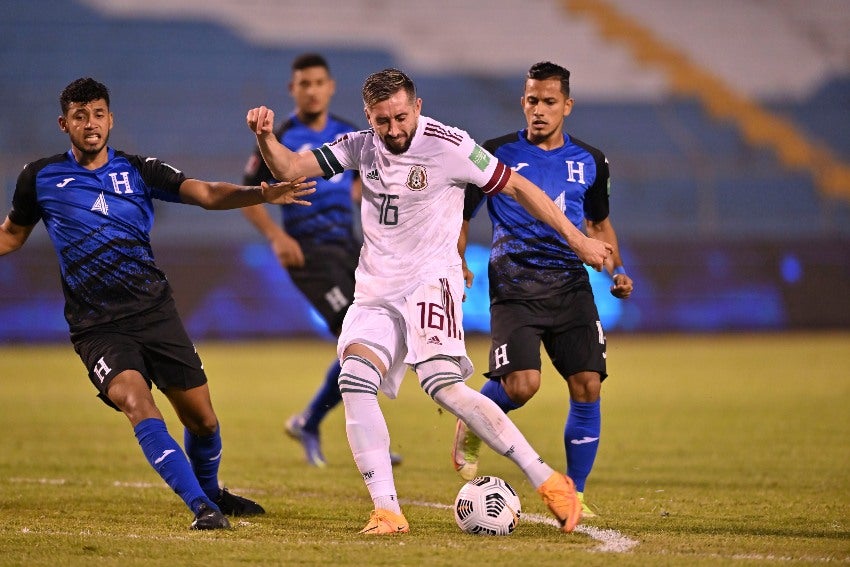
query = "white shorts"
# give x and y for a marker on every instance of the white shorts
(404, 332)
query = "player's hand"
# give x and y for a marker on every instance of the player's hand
(623, 286)
(261, 120)
(287, 250)
(288, 192)
(468, 277)
(593, 252)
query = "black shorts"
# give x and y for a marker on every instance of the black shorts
(327, 281)
(568, 326)
(155, 343)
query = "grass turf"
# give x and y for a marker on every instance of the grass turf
(715, 449)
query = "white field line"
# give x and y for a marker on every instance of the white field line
(610, 541)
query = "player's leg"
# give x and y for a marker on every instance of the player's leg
(437, 351)
(441, 379)
(364, 368)
(577, 348)
(177, 371)
(327, 281)
(304, 426)
(514, 373)
(112, 360)
(161, 450)
(369, 438)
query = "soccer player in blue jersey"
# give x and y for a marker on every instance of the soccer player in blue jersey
(97, 205)
(539, 289)
(316, 245)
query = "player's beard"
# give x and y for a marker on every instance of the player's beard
(396, 147)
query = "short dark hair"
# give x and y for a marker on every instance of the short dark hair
(83, 90)
(548, 70)
(380, 86)
(307, 60)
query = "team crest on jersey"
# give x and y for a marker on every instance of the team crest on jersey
(417, 179)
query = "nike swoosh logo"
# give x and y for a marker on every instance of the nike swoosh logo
(64, 182)
(217, 457)
(519, 166)
(164, 454)
(584, 440)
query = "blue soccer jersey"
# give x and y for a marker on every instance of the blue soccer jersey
(528, 258)
(100, 222)
(329, 219)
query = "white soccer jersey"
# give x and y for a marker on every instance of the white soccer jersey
(412, 203)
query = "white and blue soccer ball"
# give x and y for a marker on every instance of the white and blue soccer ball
(487, 505)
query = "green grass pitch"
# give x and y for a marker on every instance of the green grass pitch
(716, 450)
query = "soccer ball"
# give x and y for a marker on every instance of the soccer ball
(487, 505)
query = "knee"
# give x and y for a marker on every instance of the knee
(585, 386)
(130, 393)
(521, 386)
(202, 426)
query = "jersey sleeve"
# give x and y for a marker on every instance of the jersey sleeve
(474, 164)
(596, 200)
(25, 210)
(162, 179)
(341, 154)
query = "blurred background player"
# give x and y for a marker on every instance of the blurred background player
(317, 245)
(97, 205)
(539, 289)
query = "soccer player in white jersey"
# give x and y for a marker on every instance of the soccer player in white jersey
(409, 281)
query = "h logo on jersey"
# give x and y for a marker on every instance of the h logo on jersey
(500, 356)
(124, 183)
(101, 370)
(100, 205)
(336, 299)
(573, 169)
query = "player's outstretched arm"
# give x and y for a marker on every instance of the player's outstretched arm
(13, 236)
(591, 251)
(282, 162)
(219, 195)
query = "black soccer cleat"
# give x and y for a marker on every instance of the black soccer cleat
(209, 519)
(232, 505)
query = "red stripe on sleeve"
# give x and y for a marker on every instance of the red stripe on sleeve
(499, 179)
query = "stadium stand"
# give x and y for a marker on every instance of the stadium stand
(666, 87)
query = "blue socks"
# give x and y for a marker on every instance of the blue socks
(493, 389)
(167, 458)
(205, 456)
(581, 440)
(327, 398)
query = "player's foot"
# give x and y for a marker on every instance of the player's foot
(559, 494)
(586, 512)
(209, 518)
(232, 505)
(395, 459)
(309, 440)
(465, 451)
(383, 522)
